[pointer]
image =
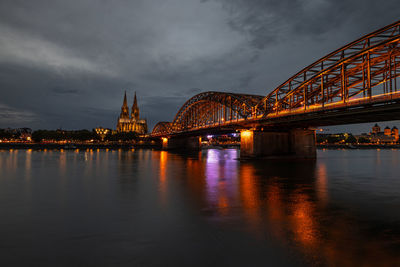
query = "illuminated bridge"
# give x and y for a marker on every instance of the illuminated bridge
(356, 83)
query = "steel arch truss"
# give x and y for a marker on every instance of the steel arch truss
(210, 109)
(162, 128)
(362, 71)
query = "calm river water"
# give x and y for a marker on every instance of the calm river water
(155, 208)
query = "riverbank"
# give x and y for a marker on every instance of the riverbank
(39, 146)
(152, 145)
(357, 146)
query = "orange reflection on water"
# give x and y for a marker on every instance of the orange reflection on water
(63, 162)
(197, 178)
(223, 204)
(163, 176)
(28, 163)
(276, 210)
(223, 198)
(12, 160)
(249, 195)
(304, 226)
(322, 184)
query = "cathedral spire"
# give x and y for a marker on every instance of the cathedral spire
(135, 109)
(135, 102)
(124, 109)
(125, 102)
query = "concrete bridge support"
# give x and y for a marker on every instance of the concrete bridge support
(181, 143)
(294, 143)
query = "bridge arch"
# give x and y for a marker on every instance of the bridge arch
(210, 109)
(365, 68)
(162, 128)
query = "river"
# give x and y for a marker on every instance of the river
(156, 208)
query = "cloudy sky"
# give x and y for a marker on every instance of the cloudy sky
(67, 63)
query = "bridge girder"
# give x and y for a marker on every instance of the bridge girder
(354, 71)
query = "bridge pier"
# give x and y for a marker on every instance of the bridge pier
(294, 143)
(181, 143)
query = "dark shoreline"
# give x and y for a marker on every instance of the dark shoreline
(72, 146)
(348, 146)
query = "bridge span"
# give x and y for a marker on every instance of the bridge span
(356, 83)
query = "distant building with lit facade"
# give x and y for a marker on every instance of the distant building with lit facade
(102, 132)
(376, 129)
(18, 134)
(387, 136)
(132, 122)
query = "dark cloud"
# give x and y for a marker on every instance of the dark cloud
(12, 117)
(268, 22)
(62, 91)
(68, 63)
(157, 109)
(244, 81)
(193, 91)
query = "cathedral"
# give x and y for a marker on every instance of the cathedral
(131, 123)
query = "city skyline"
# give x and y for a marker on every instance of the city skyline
(199, 133)
(61, 69)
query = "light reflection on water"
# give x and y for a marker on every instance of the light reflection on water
(145, 207)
